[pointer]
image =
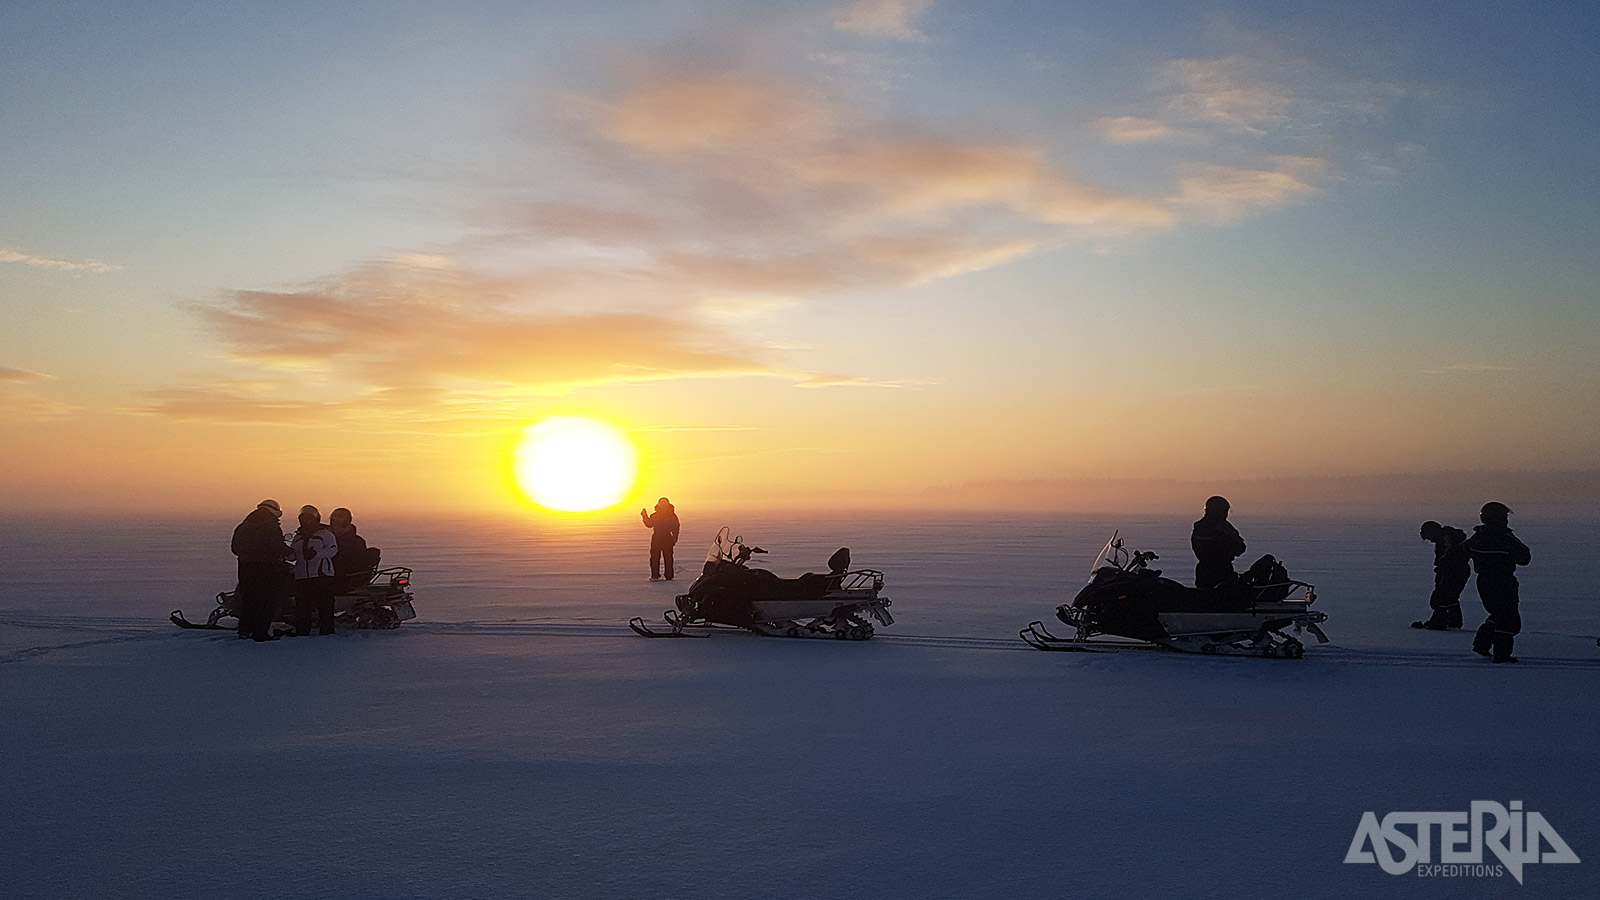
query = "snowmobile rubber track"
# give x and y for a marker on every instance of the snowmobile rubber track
(855, 629)
(1039, 638)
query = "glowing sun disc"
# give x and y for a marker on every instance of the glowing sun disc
(575, 464)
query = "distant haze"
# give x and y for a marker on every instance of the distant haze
(1444, 495)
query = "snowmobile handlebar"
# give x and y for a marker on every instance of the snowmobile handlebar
(744, 553)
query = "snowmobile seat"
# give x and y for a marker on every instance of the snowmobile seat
(353, 581)
(838, 567)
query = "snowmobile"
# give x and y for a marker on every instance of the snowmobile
(1127, 599)
(378, 598)
(730, 594)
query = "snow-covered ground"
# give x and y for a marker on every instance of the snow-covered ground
(517, 741)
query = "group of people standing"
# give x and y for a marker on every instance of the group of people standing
(318, 560)
(1494, 552)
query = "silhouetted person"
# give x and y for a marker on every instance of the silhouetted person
(352, 564)
(258, 542)
(664, 535)
(1216, 545)
(312, 549)
(1495, 554)
(1450, 574)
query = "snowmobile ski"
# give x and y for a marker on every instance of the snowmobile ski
(382, 602)
(178, 619)
(639, 627)
(1040, 638)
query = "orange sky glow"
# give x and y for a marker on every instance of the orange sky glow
(816, 257)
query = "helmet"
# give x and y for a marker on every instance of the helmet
(270, 506)
(1430, 529)
(1217, 504)
(1494, 511)
(309, 510)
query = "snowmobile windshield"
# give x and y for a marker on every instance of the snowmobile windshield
(725, 548)
(1113, 554)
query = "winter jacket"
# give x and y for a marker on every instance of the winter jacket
(1215, 540)
(1496, 552)
(258, 541)
(313, 553)
(1450, 551)
(664, 524)
(352, 557)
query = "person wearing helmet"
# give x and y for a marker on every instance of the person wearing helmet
(663, 537)
(1216, 545)
(1450, 574)
(258, 542)
(312, 549)
(1495, 554)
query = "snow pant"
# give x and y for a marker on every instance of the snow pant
(659, 553)
(255, 600)
(1497, 633)
(313, 595)
(1212, 575)
(1446, 599)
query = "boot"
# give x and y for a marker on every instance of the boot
(1452, 616)
(1502, 647)
(1484, 639)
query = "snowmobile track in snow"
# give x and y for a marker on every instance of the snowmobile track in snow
(116, 630)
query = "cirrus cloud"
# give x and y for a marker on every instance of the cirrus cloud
(715, 194)
(12, 255)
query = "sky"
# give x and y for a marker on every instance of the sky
(836, 253)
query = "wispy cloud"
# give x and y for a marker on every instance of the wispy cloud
(20, 399)
(12, 255)
(1470, 369)
(1133, 129)
(1256, 129)
(391, 324)
(8, 374)
(1226, 194)
(716, 194)
(1261, 91)
(893, 19)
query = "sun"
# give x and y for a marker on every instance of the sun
(575, 464)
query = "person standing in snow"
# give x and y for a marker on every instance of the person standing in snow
(664, 535)
(1495, 554)
(1216, 545)
(258, 542)
(313, 548)
(1450, 573)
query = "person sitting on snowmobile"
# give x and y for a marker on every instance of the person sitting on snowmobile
(352, 564)
(1216, 545)
(1495, 554)
(664, 535)
(1450, 573)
